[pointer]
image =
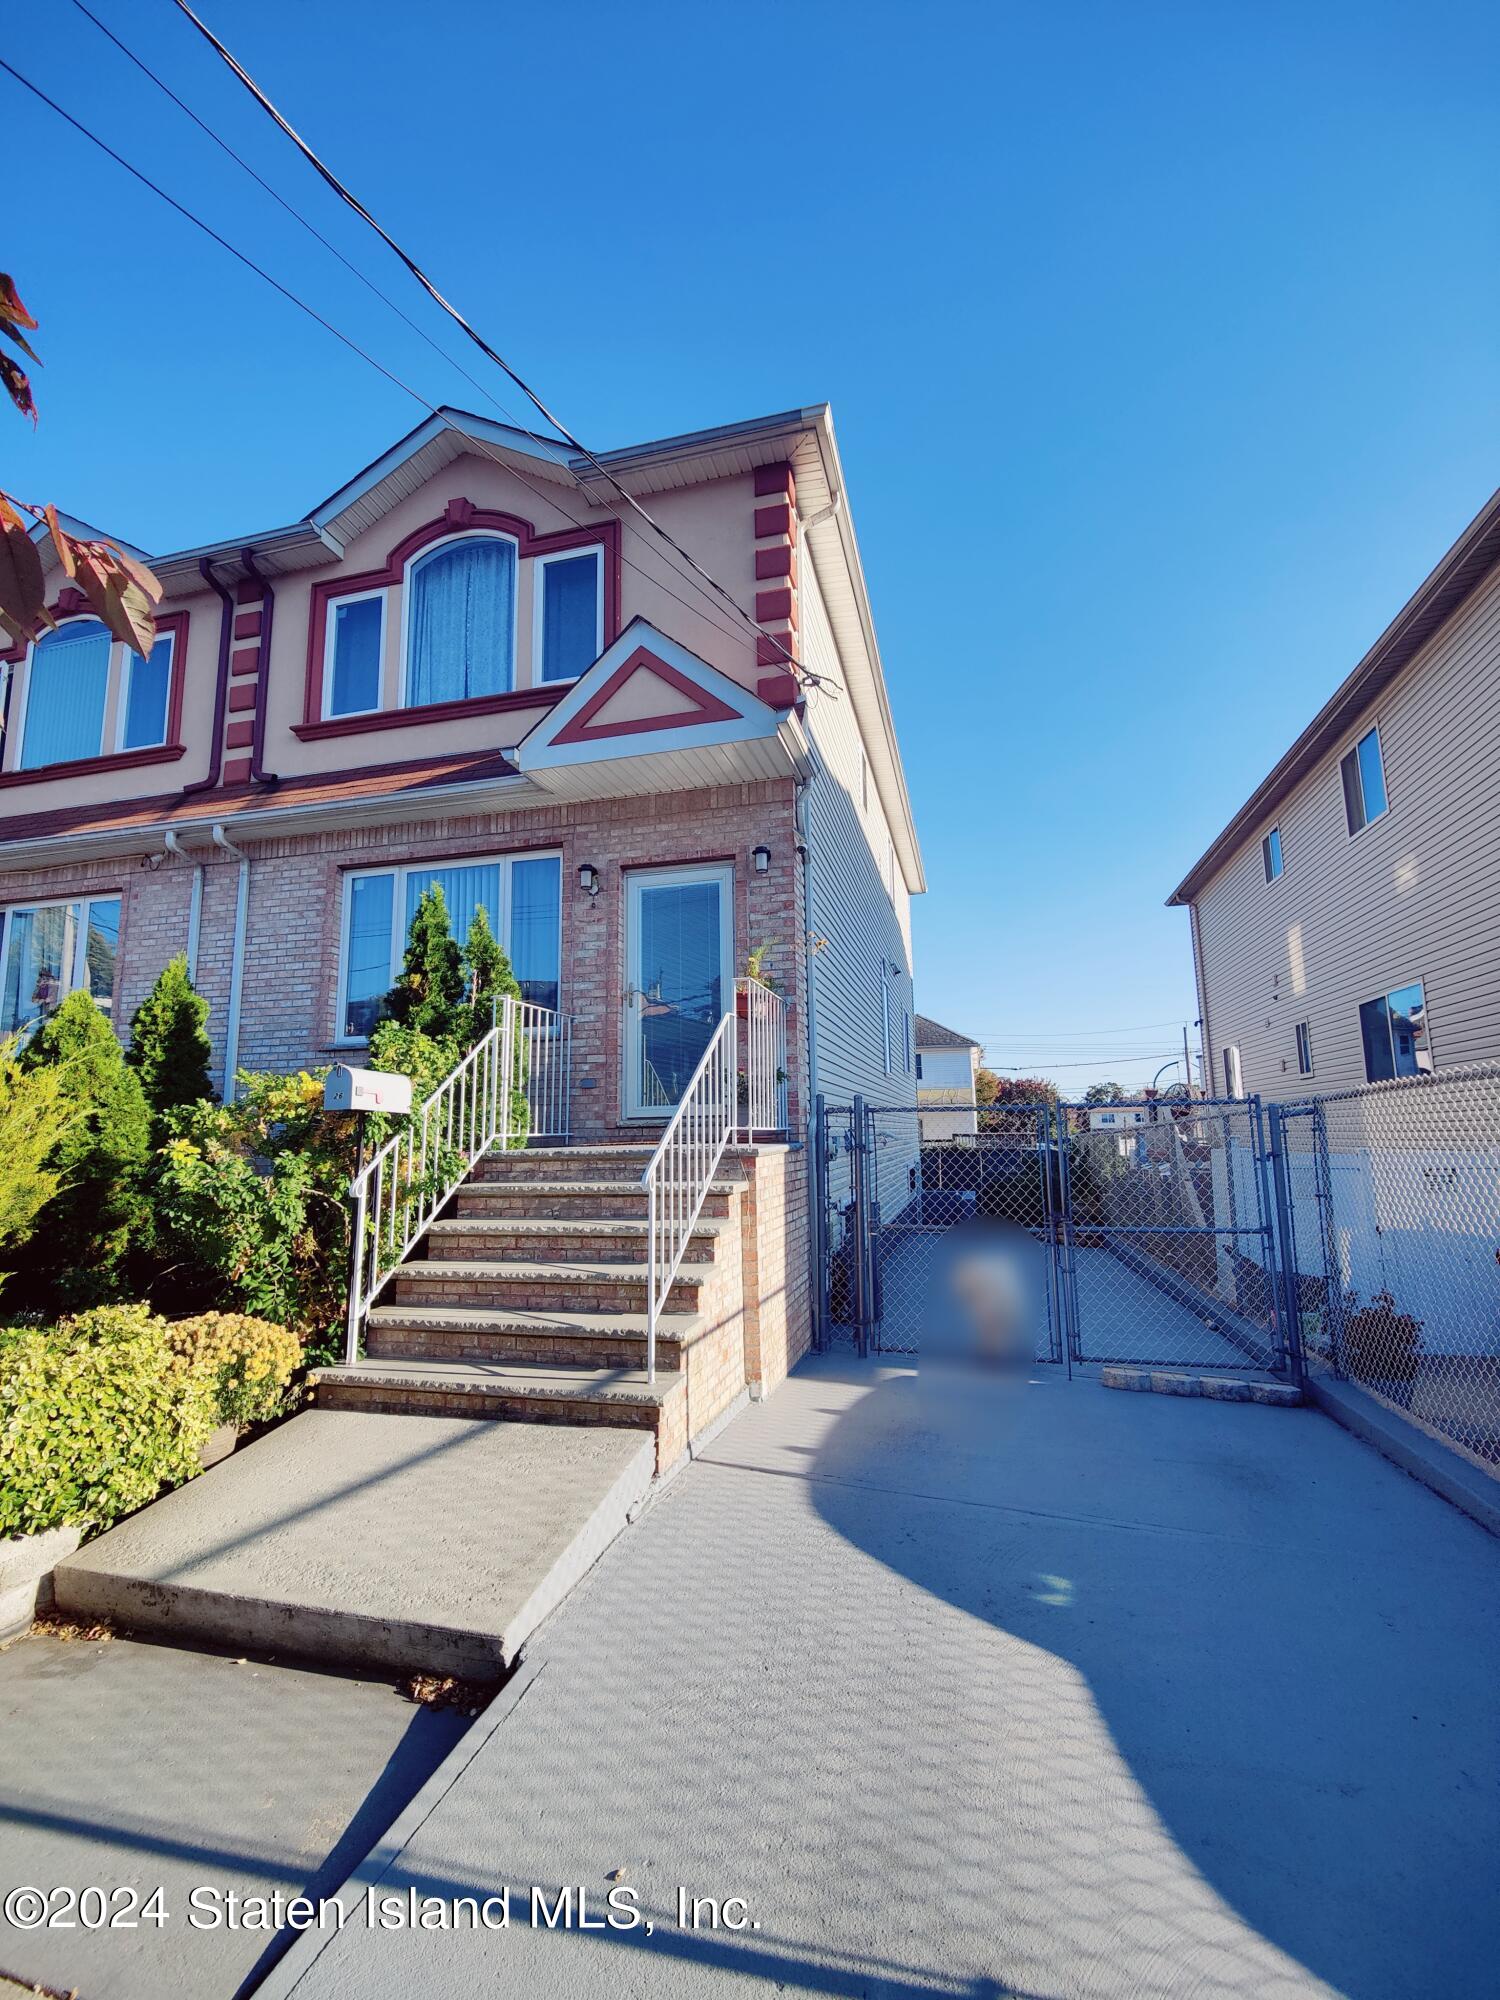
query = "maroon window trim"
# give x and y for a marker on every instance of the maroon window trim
(459, 517)
(175, 627)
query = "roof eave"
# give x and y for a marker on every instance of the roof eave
(1470, 560)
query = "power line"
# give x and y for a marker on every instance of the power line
(478, 339)
(480, 444)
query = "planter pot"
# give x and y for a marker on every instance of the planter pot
(218, 1444)
(26, 1566)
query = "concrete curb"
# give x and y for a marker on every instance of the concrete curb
(1463, 1485)
(298, 1959)
(1213, 1388)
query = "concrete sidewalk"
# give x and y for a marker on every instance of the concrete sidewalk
(1088, 1695)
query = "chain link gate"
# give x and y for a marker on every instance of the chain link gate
(1143, 1232)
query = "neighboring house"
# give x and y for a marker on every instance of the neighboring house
(1344, 922)
(1116, 1117)
(474, 665)
(946, 1067)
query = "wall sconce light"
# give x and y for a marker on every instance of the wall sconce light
(761, 856)
(588, 879)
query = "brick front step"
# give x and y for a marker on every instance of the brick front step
(575, 1239)
(543, 1287)
(565, 1163)
(478, 1333)
(602, 1200)
(521, 1392)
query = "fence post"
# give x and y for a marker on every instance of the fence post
(821, 1336)
(861, 1193)
(357, 1193)
(1285, 1251)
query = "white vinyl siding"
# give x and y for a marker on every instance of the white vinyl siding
(1416, 893)
(850, 905)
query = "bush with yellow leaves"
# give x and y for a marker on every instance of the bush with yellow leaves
(251, 1362)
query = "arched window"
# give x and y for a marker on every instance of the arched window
(67, 685)
(461, 621)
(68, 693)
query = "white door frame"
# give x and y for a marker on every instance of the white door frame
(637, 879)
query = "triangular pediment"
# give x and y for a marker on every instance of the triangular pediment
(645, 693)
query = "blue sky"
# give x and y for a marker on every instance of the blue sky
(1162, 343)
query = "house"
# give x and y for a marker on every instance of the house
(1344, 921)
(476, 664)
(946, 1067)
(1116, 1117)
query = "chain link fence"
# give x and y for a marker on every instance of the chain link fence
(1168, 1258)
(1391, 1249)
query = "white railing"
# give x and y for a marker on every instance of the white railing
(721, 1102)
(397, 1194)
(682, 1168)
(547, 1053)
(762, 1087)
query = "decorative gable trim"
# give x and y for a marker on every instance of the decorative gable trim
(582, 727)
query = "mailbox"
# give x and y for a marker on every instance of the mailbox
(365, 1090)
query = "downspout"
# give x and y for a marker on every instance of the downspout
(195, 901)
(258, 773)
(236, 963)
(226, 633)
(815, 1221)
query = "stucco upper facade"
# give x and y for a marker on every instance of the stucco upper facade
(749, 749)
(1336, 943)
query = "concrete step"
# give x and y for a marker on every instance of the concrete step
(384, 1542)
(603, 1199)
(523, 1392)
(505, 1333)
(573, 1239)
(558, 1286)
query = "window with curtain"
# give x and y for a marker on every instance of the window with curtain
(521, 896)
(67, 684)
(48, 950)
(148, 683)
(461, 621)
(570, 594)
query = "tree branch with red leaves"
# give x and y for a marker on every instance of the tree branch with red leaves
(122, 591)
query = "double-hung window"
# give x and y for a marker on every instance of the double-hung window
(1270, 853)
(49, 950)
(521, 894)
(76, 677)
(1393, 1029)
(1363, 773)
(354, 654)
(568, 595)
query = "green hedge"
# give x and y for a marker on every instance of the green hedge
(96, 1416)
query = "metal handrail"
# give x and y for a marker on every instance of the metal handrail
(763, 1092)
(398, 1193)
(681, 1170)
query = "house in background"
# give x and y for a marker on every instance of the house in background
(1344, 922)
(947, 1063)
(474, 665)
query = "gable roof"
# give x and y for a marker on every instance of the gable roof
(802, 437)
(930, 1034)
(1457, 576)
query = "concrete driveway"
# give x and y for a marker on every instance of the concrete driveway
(1071, 1693)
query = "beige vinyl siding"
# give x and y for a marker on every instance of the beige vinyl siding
(1414, 895)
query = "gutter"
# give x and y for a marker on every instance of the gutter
(221, 694)
(195, 902)
(227, 1087)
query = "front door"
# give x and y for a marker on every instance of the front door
(679, 979)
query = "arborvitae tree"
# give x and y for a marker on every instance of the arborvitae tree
(487, 974)
(169, 1047)
(429, 995)
(77, 1255)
